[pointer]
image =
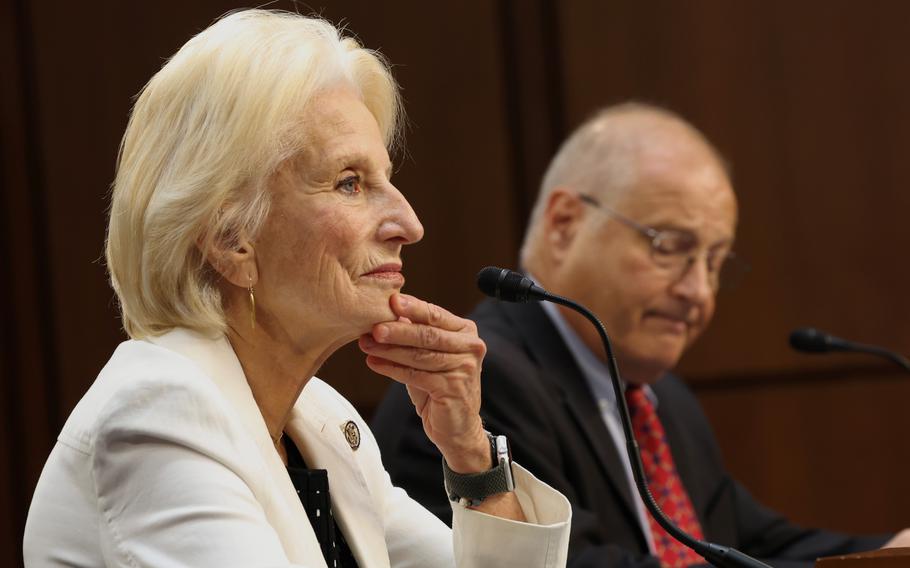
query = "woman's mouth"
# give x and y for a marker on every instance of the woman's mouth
(386, 273)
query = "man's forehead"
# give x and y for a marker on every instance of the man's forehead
(680, 167)
(688, 198)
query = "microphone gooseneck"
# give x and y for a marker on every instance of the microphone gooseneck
(811, 340)
(511, 286)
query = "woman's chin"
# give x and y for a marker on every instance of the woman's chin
(373, 310)
(378, 313)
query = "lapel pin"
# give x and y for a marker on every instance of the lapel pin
(351, 434)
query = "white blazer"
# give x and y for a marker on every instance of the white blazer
(166, 461)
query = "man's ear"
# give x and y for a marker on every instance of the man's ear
(562, 221)
(234, 260)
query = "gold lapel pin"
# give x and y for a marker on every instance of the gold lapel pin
(351, 434)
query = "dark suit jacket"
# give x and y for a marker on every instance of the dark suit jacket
(534, 393)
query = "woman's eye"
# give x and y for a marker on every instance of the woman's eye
(350, 185)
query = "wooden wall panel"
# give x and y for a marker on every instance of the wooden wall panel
(27, 366)
(830, 454)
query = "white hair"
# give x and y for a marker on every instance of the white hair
(204, 136)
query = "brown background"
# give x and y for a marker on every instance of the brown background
(810, 101)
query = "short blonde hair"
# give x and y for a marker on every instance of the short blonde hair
(204, 136)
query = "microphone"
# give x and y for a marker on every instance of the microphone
(511, 286)
(811, 340)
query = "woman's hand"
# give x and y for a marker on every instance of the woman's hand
(438, 356)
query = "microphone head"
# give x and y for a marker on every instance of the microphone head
(508, 285)
(488, 280)
(811, 340)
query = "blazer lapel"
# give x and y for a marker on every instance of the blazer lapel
(319, 435)
(278, 497)
(546, 345)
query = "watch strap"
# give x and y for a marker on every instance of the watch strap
(473, 488)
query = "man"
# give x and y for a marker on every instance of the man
(635, 219)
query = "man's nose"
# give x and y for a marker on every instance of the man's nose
(697, 283)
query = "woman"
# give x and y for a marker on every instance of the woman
(253, 231)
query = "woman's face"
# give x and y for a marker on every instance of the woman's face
(329, 254)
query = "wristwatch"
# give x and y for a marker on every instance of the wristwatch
(471, 489)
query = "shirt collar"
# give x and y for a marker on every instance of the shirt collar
(592, 367)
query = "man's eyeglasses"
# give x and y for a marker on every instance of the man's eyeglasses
(676, 251)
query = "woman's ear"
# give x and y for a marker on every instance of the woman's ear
(562, 221)
(234, 260)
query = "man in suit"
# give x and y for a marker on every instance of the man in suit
(635, 219)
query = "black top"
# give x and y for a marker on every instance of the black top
(312, 487)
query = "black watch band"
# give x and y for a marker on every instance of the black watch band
(472, 488)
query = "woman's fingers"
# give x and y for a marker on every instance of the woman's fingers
(419, 311)
(424, 359)
(422, 346)
(426, 327)
(426, 381)
(422, 337)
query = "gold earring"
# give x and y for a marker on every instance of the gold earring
(252, 304)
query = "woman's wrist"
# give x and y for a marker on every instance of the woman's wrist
(471, 458)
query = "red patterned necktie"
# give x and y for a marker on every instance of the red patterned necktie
(663, 479)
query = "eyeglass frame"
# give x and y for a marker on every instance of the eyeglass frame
(654, 235)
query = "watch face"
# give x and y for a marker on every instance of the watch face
(502, 448)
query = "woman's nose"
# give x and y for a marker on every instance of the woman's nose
(401, 223)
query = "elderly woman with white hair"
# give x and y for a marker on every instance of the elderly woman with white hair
(253, 231)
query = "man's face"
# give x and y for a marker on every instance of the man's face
(651, 313)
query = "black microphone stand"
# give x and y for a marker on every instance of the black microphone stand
(720, 556)
(899, 360)
(811, 340)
